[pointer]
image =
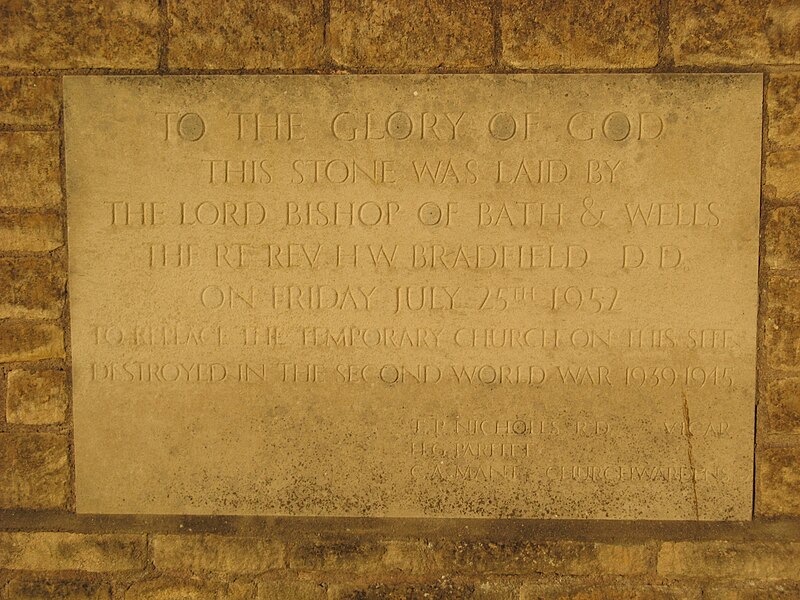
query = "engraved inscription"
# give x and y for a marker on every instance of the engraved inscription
(473, 295)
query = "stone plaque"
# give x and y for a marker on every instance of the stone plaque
(454, 296)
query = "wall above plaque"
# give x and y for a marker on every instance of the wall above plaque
(461, 295)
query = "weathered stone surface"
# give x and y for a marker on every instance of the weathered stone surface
(29, 169)
(780, 496)
(783, 108)
(751, 591)
(782, 323)
(40, 34)
(36, 398)
(90, 553)
(30, 101)
(782, 399)
(61, 590)
(282, 34)
(778, 484)
(441, 589)
(783, 174)
(583, 34)
(34, 471)
(196, 409)
(287, 588)
(33, 287)
(364, 557)
(188, 589)
(30, 232)
(735, 32)
(30, 340)
(200, 553)
(606, 591)
(782, 233)
(412, 34)
(733, 560)
(558, 557)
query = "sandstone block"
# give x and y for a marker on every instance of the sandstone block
(755, 591)
(33, 287)
(29, 169)
(34, 471)
(783, 405)
(411, 34)
(566, 35)
(779, 484)
(782, 234)
(30, 101)
(363, 557)
(783, 108)
(200, 553)
(56, 551)
(782, 323)
(734, 32)
(41, 34)
(441, 589)
(559, 557)
(734, 560)
(36, 398)
(783, 174)
(30, 340)
(62, 590)
(297, 590)
(30, 232)
(605, 591)
(189, 589)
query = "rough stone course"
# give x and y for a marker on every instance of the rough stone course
(411, 35)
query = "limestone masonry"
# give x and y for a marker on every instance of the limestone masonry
(49, 548)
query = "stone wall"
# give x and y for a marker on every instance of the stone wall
(47, 551)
